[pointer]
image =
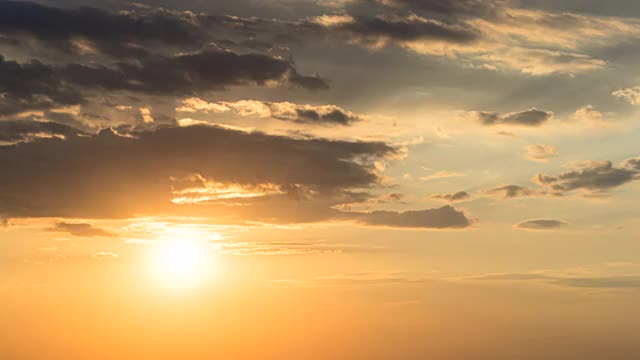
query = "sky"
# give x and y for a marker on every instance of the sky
(319, 179)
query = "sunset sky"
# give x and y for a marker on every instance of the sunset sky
(320, 179)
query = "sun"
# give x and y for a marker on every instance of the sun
(181, 263)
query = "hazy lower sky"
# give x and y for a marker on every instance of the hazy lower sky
(319, 179)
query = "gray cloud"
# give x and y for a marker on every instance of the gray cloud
(512, 191)
(33, 86)
(446, 9)
(445, 217)
(187, 74)
(285, 111)
(28, 130)
(80, 229)
(108, 175)
(531, 117)
(541, 224)
(592, 176)
(390, 29)
(452, 197)
(126, 33)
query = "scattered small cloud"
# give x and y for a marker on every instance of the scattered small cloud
(442, 175)
(80, 229)
(105, 256)
(452, 197)
(540, 153)
(541, 224)
(529, 118)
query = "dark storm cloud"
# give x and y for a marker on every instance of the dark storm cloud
(453, 197)
(401, 29)
(201, 171)
(107, 175)
(37, 86)
(123, 33)
(531, 117)
(80, 229)
(445, 217)
(592, 176)
(190, 73)
(449, 9)
(32, 86)
(541, 224)
(26, 130)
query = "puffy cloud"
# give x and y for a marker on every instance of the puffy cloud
(452, 197)
(80, 229)
(286, 111)
(531, 117)
(631, 95)
(590, 115)
(541, 224)
(591, 176)
(540, 152)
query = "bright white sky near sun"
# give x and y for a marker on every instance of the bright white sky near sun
(311, 179)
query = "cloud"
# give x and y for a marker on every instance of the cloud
(540, 62)
(87, 29)
(631, 95)
(27, 130)
(80, 230)
(442, 175)
(445, 217)
(33, 86)
(590, 115)
(386, 30)
(373, 277)
(452, 197)
(512, 192)
(186, 74)
(541, 224)
(107, 175)
(448, 9)
(531, 117)
(36, 86)
(540, 153)
(105, 256)
(591, 176)
(607, 282)
(275, 248)
(601, 282)
(285, 111)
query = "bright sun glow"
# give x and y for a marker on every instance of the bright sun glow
(181, 263)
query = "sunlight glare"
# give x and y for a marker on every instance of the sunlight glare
(181, 263)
